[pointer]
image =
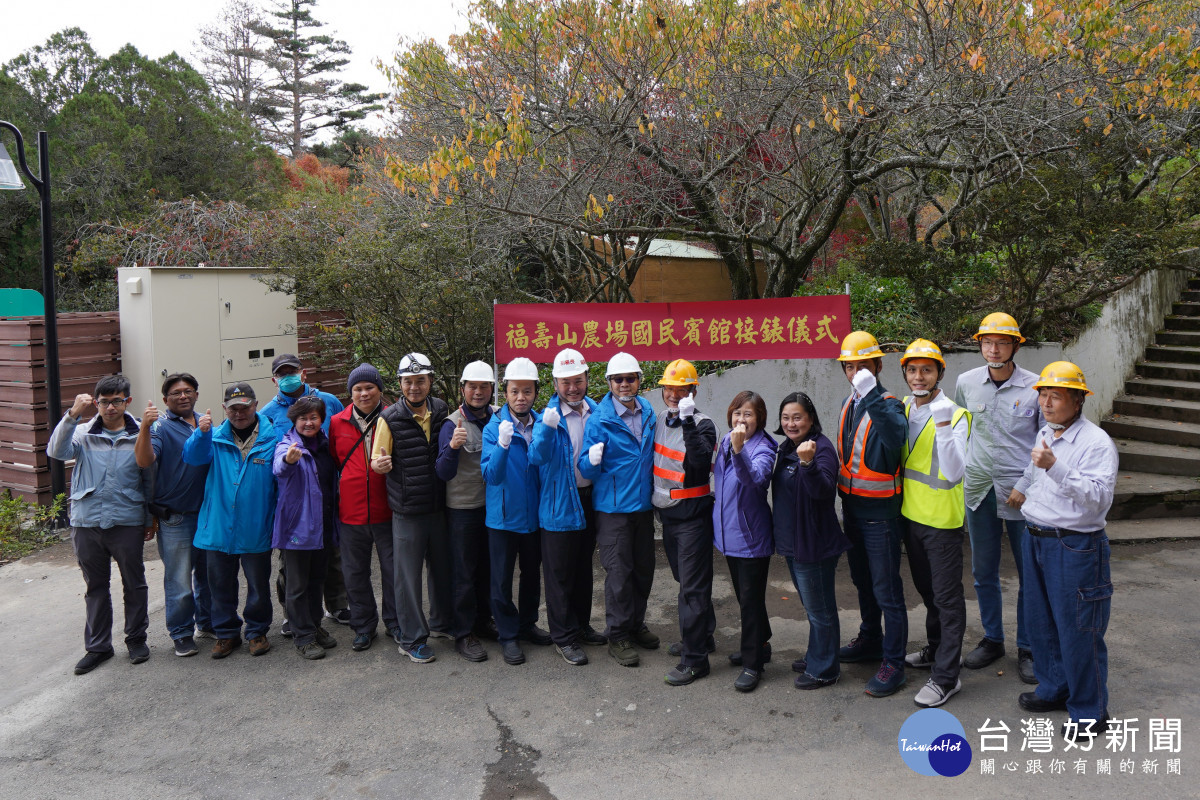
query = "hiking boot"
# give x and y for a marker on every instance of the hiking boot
(861, 649)
(623, 653)
(311, 651)
(1025, 667)
(644, 639)
(922, 659)
(223, 647)
(185, 647)
(91, 660)
(572, 654)
(987, 652)
(325, 638)
(887, 681)
(933, 694)
(259, 645)
(470, 648)
(683, 674)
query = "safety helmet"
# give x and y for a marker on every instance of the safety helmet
(1001, 324)
(623, 364)
(520, 369)
(860, 346)
(922, 348)
(568, 363)
(414, 364)
(478, 371)
(1062, 375)
(679, 373)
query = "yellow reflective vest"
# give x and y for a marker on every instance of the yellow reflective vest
(929, 498)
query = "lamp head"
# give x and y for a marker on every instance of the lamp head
(9, 177)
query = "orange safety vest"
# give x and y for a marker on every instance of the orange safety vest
(854, 476)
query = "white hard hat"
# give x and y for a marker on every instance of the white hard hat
(520, 369)
(478, 371)
(623, 364)
(569, 362)
(414, 364)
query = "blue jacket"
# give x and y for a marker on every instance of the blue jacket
(300, 506)
(107, 486)
(560, 509)
(239, 494)
(276, 410)
(512, 481)
(623, 482)
(742, 525)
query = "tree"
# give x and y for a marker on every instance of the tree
(302, 92)
(233, 56)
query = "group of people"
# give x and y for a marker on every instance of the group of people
(458, 501)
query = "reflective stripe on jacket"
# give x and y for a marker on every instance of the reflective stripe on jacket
(929, 498)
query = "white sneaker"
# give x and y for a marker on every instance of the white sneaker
(933, 695)
(922, 659)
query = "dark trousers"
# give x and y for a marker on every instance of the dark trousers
(439, 577)
(626, 544)
(355, 545)
(567, 570)
(306, 576)
(749, 576)
(334, 588)
(223, 581)
(935, 557)
(95, 550)
(689, 547)
(411, 535)
(505, 548)
(470, 570)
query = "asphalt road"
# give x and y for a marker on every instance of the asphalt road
(373, 724)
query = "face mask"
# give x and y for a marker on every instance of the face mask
(997, 364)
(1056, 426)
(920, 392)
(290, 383)
(578, 404)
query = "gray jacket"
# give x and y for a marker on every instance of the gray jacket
(108, 488)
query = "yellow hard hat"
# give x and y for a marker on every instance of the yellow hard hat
(860, 346)
(922, 348)
(679, 373)
(1062, 375)
(999, 323)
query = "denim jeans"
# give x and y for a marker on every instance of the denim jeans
(986, 530)
(1066, 611)
(814, 584)
(185, 576)
(223, 580)
(875, 569)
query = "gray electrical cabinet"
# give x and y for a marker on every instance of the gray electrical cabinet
(221, 324)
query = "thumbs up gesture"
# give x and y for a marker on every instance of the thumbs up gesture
(150, 415)
(206, 421)
(1043, 457)
(459, 437)
(292, 455)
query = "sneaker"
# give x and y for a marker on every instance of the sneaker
(887, 681)
(311, 651)
(439, 635)
(535, 635)
(922, 659)
(623, 653)
(205, 634)
(223, 647)
(139, 653)
(861, 649)
(683, 674)
(592, 637)
(512, 653)
(800, 665)
(92, 660)
(362, 641)
(395, 634)
(736, 658)
(419, 653)
(987, 652)
(470, 648)
(644, 639)
(325, 638)
(341, 616)
(748, 680)
(676, 648)
(1025, 667)
(1031, 702)
(186, 647)
(259, 646)
(933, 694)
(806, 681)
(572, 654)
(285, 629)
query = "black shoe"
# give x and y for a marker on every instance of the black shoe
(395, 634)
(861, 649)
(1031, 702)
(139, 653)
(285, 629)
(92, 660)
(535, 635)
(513, 654)
(362, 641)
(469, 648)
(573, 654)
(1025, 667)
(806, 681)
(676, 648)
(683, 674)
(592, 637)
(747, 681)
(644, 639)
(800, 665)
(185, 647)
(341, 616)
(488, 631)
(736, 658)
(987, 652)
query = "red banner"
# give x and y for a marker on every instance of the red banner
(789, 327)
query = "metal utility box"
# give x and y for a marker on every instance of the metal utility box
(219, 323)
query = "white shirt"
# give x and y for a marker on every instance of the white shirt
(575, 421)
(950, 441)
(1077, 491)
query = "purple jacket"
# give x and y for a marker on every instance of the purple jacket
(299, 507)
(742, 524)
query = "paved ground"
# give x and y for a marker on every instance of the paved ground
(374, 724)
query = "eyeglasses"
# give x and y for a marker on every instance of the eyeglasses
(624, 379)
(182, 393)
(110, 403)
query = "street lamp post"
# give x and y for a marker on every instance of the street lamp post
(10, 180)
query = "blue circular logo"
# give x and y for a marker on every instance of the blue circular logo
(933, 742)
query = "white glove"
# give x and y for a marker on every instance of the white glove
(687, 406)
(550, 417)
(942, 409)
(506, 431)
(863, 382)
(596, 453)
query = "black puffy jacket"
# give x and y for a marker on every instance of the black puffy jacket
(412, 485)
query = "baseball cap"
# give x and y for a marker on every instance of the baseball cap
(239, 394)
(285, 360)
